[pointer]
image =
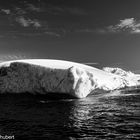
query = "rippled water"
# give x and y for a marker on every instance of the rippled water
(113, 115)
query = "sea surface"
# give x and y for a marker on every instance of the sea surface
(110, 116)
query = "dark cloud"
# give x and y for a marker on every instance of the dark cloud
(16, 34)
(32, 7)
(64, 10)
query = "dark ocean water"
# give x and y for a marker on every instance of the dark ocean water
(113, 115)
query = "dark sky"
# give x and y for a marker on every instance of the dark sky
(106, 32)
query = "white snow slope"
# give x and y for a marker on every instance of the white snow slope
(130, 78)
(48, 76)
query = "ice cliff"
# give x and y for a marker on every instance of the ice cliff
(46, 76)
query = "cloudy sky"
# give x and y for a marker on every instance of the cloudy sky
(104, 32)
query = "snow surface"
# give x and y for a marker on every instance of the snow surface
(47, 76)
(130, 78)
(118, 71)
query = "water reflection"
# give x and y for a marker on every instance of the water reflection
(81, 111)
(106, 116)
(100, 116)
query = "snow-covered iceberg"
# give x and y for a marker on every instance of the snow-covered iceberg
(129, 77)
(46, 76)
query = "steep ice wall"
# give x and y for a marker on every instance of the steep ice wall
(39, 76)
(19, 77)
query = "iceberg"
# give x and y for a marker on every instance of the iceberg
(57, 77)
(128, 76)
